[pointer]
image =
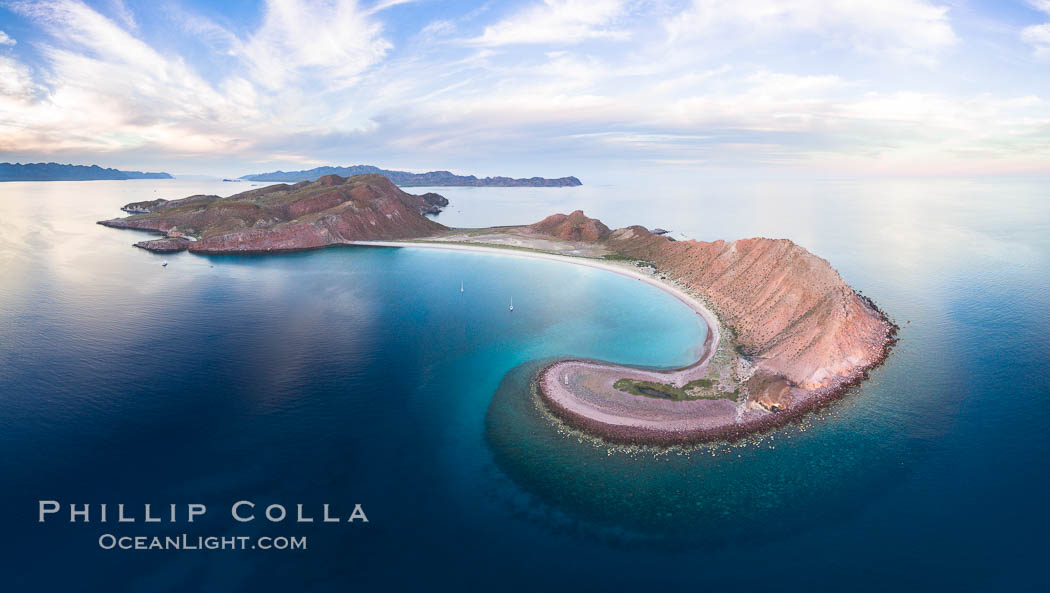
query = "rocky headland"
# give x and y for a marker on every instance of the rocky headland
(785, 333)
(307, 215)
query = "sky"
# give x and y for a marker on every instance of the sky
(533, 87)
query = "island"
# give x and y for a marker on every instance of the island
(59, 172)
(785, 333)
(406, 179)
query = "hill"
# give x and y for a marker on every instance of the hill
(283, 217)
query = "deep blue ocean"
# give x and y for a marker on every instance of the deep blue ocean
(364, 376)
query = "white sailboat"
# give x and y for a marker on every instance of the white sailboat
(460, 286)
(511, 303)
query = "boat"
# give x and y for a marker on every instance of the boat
(511, 303)
(461, 286)
(164, 265)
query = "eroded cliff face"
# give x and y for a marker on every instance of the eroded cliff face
(279, 217)
(791, 312)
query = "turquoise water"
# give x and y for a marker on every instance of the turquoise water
(363, 375)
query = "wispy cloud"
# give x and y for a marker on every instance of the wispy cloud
(16, 90)
(911, 29)
(1038, 36)
(385, 4)
(337, 40)
(110, 90)
(124, 14)
(6, 39)
(558, 22)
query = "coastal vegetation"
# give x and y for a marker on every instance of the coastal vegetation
(707, 388)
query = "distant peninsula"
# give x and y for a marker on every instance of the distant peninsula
(406, 179)
(60, 172)
(785, 333)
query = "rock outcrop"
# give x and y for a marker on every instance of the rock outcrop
(432, 203)
(306, 215)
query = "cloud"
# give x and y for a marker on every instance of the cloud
(385, 4)
(106, 88)
(320, 81)
(1038, 36)
(560, 22)
(1040, 5)
(910, 29)
(6, 39)
(109, 90)
(16, 86)
(124, 14)
(332, 40)
(723, 115)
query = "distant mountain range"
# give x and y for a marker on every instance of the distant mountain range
(59, 172)
(406, 179)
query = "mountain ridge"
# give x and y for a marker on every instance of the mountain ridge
(408, 179)
(69, 172)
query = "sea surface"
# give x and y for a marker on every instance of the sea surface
(364, 376)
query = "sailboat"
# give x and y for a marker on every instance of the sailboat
(461, 286)
(511, 303)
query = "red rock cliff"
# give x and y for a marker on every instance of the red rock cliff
(792, 313)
